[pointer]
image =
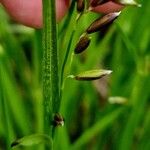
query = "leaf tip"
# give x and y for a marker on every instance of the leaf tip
(107, 72)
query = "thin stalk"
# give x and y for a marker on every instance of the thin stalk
(50, 65)
(65, 60)
(71, 41)
(68, 51)
(67, 20)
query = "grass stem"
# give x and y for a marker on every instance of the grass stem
(50, 64)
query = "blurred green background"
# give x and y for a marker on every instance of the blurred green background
(112, 113)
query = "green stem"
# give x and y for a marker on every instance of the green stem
(139, 99)
(66, 24)
(66, 56)
(50, 64)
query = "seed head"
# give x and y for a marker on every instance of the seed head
(80, 5)
(92, 75)
(58, 120)
(95, 3)
(102, 22)
(127, 2)
(82, 44)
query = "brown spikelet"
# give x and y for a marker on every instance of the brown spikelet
(80, 5)
(127, 2)
(95, 3)
(102, 22)
(58, 120)
(82, 44)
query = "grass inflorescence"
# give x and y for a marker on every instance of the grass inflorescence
(82, 83)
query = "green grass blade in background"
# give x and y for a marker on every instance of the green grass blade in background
(98, 127)
(14, 100)
(139, 97)
(145, 137)
(13, 48)
(37, 80)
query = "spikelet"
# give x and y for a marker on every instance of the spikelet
(102, 22)
(82, 44)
